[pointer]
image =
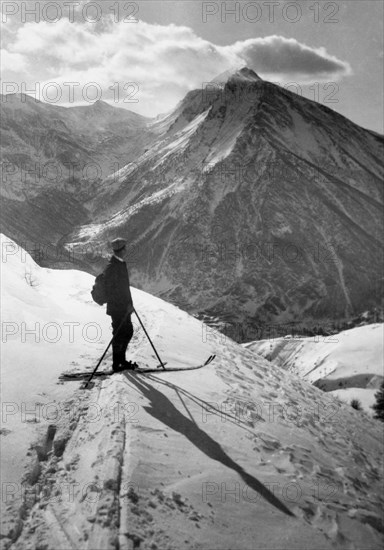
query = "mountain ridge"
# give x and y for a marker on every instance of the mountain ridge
(228, 155)
(248, 199)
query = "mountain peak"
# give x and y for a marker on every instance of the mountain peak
(238, 75)
(247, 74)
(101, 105)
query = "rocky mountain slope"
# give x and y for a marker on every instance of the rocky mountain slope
(246, 203)
(54, 157)
(254, 205)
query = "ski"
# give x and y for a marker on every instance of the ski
(84, 375)
(99, 374)
(141, 370)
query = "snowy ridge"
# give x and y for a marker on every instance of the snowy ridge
(182, 137)
(348, 364)
(236, 454)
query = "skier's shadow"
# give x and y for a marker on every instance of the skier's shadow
(161, 408)
(208, 407)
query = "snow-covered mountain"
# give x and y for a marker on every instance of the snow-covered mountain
(247, 203)
(240, 454)
(52, 160)
(348, 364)
(253, 205)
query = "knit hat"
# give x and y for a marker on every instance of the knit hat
(118, 244)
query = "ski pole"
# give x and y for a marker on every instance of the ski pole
(150, 341)
(105, 352)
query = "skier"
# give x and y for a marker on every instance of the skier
(119, 304)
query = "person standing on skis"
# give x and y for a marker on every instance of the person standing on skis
(119, 304)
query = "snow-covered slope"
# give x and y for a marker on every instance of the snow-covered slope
(240, 454)
(348, 364)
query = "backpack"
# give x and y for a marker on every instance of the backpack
(98, 291)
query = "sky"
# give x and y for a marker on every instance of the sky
(146, 55)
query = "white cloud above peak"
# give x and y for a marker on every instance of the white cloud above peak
(163, 61)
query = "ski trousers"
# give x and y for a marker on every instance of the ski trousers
(122, 330)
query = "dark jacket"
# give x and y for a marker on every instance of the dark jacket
(119, 298)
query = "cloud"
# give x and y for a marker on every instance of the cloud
(276, 55)
(12, 62)
(163, 61)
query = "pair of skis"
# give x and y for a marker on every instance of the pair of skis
(84, 375)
